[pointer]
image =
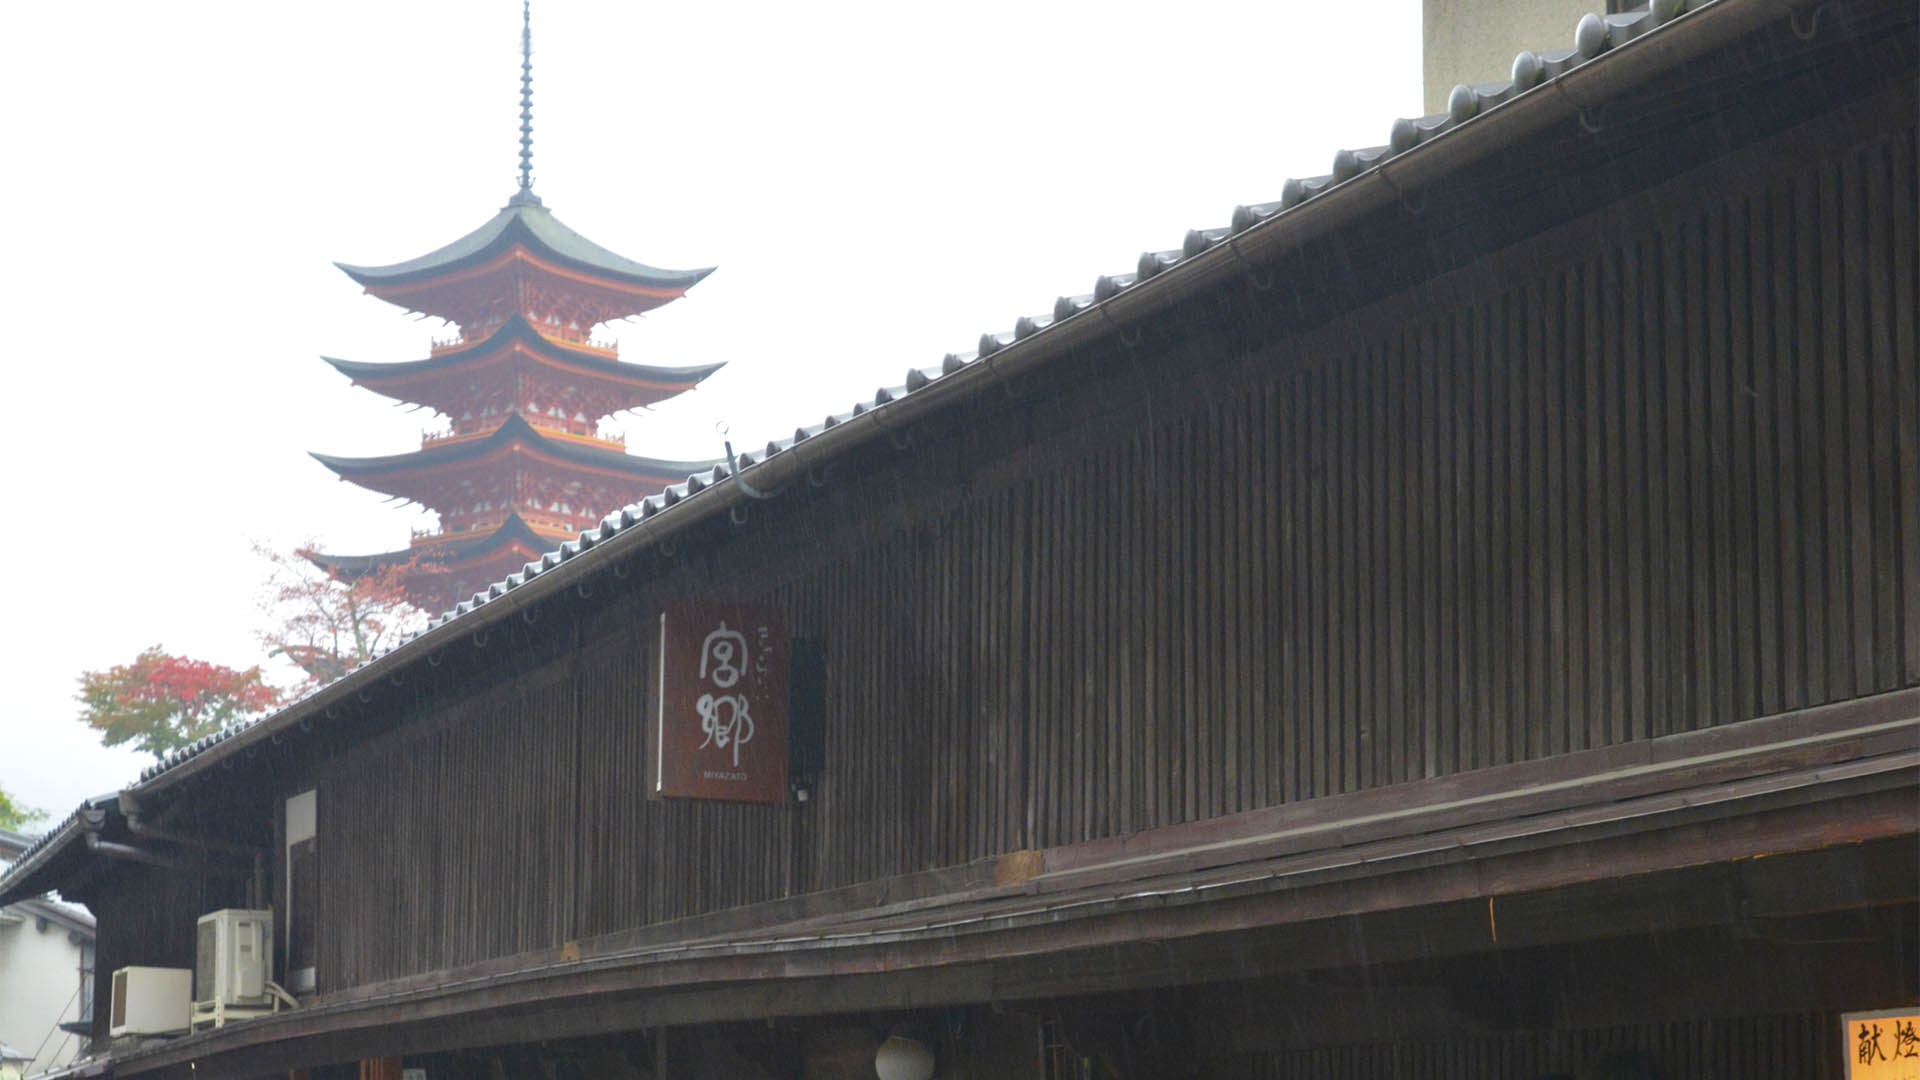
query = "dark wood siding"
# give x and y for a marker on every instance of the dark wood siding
(1653, 471)
(148, 917)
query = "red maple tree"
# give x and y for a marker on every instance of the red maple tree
(327, 625)
(324, 625)
(161, 702)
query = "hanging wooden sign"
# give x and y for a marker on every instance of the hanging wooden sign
(720, 714)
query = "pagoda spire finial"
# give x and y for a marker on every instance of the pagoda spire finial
(525, 196)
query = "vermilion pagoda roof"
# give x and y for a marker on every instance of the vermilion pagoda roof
(442, 379)
(525, 232)
(399, 474)
(542, 234)
(513, 530)
(462, 559)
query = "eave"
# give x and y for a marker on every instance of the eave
(77, 922)
(393, 473)
(453, 550)
(52, 859)
(558, 355)
(443, 380)
(459, 559)
(548, 241)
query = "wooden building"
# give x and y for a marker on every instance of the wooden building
(1461, 619)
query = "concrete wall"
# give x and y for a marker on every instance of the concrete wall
(1475, 41)
(39, 972)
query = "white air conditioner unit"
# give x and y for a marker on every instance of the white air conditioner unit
(150, 1001)
(233, 960)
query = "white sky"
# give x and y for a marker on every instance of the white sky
(878, 184)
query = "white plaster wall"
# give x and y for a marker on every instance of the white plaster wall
(39, 973)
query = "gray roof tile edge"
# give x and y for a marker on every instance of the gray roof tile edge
(43, 847)
(539, 222)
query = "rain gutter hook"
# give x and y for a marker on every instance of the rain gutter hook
(1128, 335)
(1582, 111)
(733, 469)
(1254, 273)
(1400, 192)
(1813, 23)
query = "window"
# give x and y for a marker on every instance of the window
(86, 982)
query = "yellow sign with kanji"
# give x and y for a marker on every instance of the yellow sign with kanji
(1883, 1045)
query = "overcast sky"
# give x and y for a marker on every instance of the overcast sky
(877, 183)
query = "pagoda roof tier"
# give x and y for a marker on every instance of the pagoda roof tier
(522, 237)
(467, 562)
(424, 475)
(444, 380)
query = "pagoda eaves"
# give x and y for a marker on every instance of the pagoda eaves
(459, 560)
(398, 474)
(517, 367)
(524, 259)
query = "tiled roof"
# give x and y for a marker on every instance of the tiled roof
(513, 429)
(513, 528)
(71, 916)
(527, 223)
(1593, 37)
(43, 845)
(518, 329)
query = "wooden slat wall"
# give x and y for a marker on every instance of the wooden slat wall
(1665, 480)
(453, 838)
(1798, 1047)
(148, 917)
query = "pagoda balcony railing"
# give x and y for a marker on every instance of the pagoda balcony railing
(603, 439)
(608, 349)
(428, 438)
(545, 522)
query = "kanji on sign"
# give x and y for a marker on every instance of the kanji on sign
(1883, 1045)
(720, 714)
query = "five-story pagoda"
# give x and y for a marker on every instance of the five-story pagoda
(522, 465)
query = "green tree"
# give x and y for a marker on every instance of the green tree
(161, 702)
(14, 815)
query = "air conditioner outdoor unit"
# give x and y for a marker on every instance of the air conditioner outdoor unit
(150, 1001)
(233, 960)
